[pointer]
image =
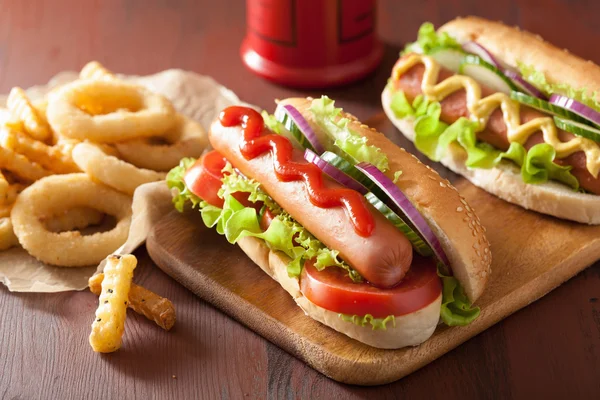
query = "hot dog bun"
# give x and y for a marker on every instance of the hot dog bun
(511, 45)
(505, 181)
(447, 213)
(409, 330)
(450, 217)
(383, 259)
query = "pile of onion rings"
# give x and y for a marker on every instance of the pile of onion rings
(76, 156)
(57, 194)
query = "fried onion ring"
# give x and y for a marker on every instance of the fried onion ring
(110, 170)
(73, 219)
(107, 111)
(186, 139)
(58, 193)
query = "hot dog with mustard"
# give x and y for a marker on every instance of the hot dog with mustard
(512, 113)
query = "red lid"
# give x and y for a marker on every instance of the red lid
(311, 43)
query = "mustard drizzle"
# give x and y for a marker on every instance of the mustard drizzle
(481, 109)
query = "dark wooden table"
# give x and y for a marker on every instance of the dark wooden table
(549, 349)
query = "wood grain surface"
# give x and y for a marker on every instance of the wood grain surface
(550, 349)
(532, 254)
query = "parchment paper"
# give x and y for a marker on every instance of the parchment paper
(199, 97)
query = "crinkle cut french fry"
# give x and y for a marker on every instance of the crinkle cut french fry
(95, 70)
(4, 185)
(145, 302)
(7, 234)
(21, 109)
(50, 157)
(21, 166)
(10, 195)
(108, 327)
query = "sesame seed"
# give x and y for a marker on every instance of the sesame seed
(459, 209)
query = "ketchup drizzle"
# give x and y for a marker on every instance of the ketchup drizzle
(254, 144)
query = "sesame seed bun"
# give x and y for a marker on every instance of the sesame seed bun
(407, 330)
(447, 213)
(511, 46)
(505, 181)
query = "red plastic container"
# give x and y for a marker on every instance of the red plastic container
(311, 43)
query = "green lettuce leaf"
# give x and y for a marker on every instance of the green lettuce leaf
(272, 123)
(538, 79)
(235, 221)
(400, 104)
(175, 181)
(456, 307)
(376, 323)
(279, 128)
(397, 176)
(210, 214)
(433, 137)
(234, 182)
(428, 39)
(342, 137)
(539, 167)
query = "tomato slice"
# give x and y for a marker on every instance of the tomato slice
(242, 197)
(266, 219)
(333, 290)
(204, 177)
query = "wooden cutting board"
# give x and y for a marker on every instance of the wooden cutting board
(532, 254)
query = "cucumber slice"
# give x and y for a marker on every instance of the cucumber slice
(297, 136)
(350, 170)
(485, 73)
(378, 198)
(578, 129)
(544, 106)
(418, 244)
(448, 58)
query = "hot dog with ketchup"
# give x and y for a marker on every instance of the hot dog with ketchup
(512, 113)
(361, 234)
